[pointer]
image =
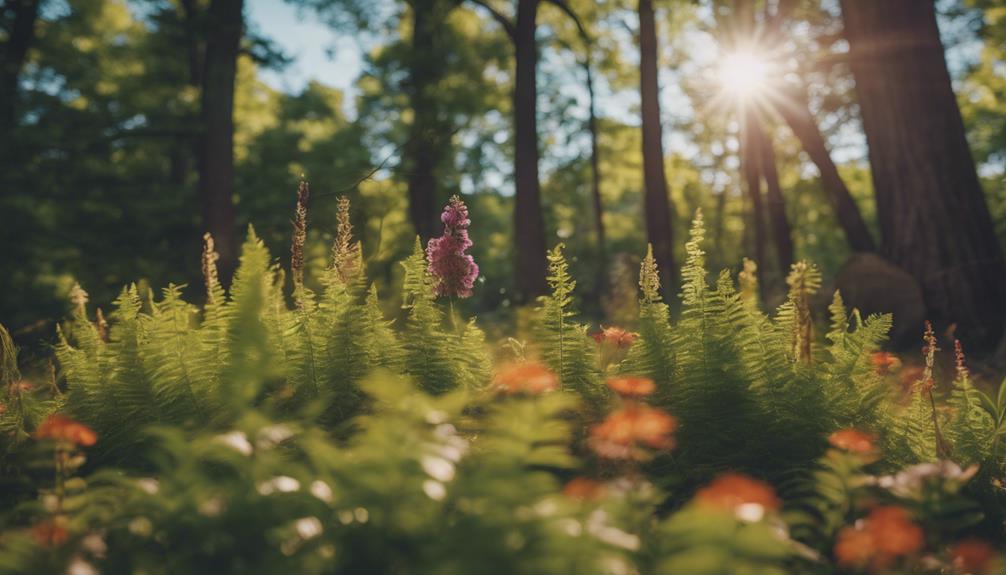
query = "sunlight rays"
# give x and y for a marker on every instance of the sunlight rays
(752, 71)
(744, 74)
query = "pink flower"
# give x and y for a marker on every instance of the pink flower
(454, 270)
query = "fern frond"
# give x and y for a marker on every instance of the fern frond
(563, 342)
(427, 345)
(652, 355)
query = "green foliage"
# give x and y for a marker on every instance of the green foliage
(310, 434)
(652, 354)
(430, 349)
(563, 342)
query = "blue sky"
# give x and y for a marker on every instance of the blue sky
(317, 52)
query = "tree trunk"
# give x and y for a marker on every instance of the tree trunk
(425, 150)
(529, 228)
(750, 161)
(595, 178)
(935, 222)
(782, 234)
(216, 158)
(13, 54)
(797, 115)
(657, 204)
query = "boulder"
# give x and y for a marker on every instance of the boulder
(872, 284)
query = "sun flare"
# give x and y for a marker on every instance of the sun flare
(744, 74)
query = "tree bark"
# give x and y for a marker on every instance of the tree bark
(933, 215)
(750, 168)
(13, 53)
(656, 204)
(428, 136)
(216, 158)
(782, 234)
(796, 113)
(529, 227)
(595, 177)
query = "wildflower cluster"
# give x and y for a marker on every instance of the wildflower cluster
(628, 431)
(454, 270)
(884, 536)
(531, 378)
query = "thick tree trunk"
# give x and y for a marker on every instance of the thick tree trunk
(657, 204)
(935, 222)
(529, 228)
(13, 53)
(782, 234)
(424, 152)
(797, 115)
(216, 158)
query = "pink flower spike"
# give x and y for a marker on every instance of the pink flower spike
(454, 270)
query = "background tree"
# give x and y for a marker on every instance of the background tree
(224, 30)
(17, 20)
(933, 215)
(657, 207)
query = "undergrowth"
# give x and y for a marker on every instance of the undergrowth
(274, 431)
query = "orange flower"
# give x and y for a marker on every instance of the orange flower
(628, 386)
(895, 532)
(971, 555)
(732, 490)
(531, 378)
(584, 489)
(853, 441)
(615, 336)
(50, 533)
(885, 362)
(854, 547)
(61, 428)
(886, 534)
(617, 436)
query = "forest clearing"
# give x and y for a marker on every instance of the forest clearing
(683, 287)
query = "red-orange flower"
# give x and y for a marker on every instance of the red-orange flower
(854, 547)
(896, 533)
(732, 490)
(49, 533)
(530, 378)
(584, 489)
(886, 534)
(971, 555)
(853, 441)
(629, 386)
(885, 362)
(61, 428)
(615, 336)
(635, 424)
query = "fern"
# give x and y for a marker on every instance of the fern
(794, 317)
(179, 383)
(563, 342)
(427, 345)
(652, 355)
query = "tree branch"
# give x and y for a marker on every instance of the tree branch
(503, 21)
(566, 9)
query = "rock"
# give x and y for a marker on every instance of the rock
(872, 284)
